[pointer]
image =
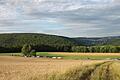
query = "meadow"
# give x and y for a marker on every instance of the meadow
(73, 66)
(72, 56)
(84, 56)
(20, 68)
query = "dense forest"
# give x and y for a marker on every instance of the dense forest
(96, 49)
(43, 42)
(114, 41)
(39, 42)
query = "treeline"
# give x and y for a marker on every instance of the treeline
(38, 48)
(39, 42)
(96, 49)
(12, 43)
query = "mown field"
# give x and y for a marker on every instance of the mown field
(68, 68)
(108, 70)
(20, 68)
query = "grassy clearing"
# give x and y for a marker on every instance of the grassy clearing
(77, 56)
(74, 56)
(48, 54)
(91, 57)
(10, 54)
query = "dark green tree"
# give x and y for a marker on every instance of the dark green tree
(26, 49)
(79, 49)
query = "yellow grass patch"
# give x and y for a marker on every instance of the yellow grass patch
(20, 68)
(93, 54)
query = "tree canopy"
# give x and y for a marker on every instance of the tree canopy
(43, 42)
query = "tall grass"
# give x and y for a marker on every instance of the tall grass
(20, 68)
(102, 71)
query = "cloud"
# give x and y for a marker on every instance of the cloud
(116, 1)
(63, 17)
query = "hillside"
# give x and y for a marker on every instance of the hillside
(114, 40)
(44, 42)
(41, 42)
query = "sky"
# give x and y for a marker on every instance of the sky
(72, 18)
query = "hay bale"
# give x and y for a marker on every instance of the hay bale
(54, 57)
(59, 57)
(38, 56)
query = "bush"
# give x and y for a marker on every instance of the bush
(26, 50)
(33, 53)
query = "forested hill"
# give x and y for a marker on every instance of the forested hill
(113, 40)
(44, 42)
(41, 42)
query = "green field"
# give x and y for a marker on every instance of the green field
(10, 54)
(65, 56)
(77, 57)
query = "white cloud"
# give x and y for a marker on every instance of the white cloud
(78, 16)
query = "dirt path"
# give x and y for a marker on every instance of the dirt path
(87, 75)
(101, 71)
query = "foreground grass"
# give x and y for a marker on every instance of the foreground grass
(20, 68)
(101, 71)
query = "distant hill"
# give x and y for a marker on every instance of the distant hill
(113, 40)
(45, 42)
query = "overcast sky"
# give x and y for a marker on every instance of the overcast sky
(73, 18)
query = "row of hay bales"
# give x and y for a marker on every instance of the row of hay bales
(52, 57)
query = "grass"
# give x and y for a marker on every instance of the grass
(48, 54)
(91, 57)
(74, 56)
(20, 68)
(101, 71)
(10, 54)
(80, 55)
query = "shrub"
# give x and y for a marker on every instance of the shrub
(26, 50)
(33, 53)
